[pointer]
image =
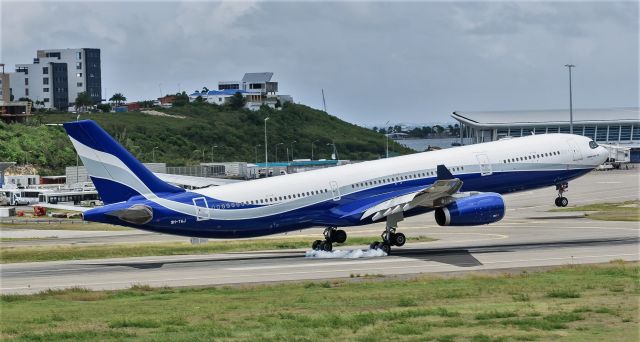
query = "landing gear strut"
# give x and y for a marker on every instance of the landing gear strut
(389, 236)
(331, 235)
(562, 201)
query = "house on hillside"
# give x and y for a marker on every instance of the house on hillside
(256, 87)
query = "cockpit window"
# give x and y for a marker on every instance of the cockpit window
(593, 144)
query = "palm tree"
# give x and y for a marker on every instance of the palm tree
(118, 98)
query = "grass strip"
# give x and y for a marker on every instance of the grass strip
(66, 252)
(621, 211)
(476, 307)
(53, 225)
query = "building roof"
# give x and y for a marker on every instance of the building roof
(257, 77)
(225, 92)
(300, 163)
(548, 117)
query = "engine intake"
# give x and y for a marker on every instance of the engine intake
(474, 210)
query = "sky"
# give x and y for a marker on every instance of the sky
(403, 62)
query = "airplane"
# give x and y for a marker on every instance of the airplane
(463, 186)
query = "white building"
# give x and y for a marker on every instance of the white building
(56, 77)
(256, 87)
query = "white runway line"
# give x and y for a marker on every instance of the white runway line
(346, 254)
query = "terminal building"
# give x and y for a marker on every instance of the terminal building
(616, 126)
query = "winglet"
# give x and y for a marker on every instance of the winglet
(443, 173)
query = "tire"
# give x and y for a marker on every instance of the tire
(385, 247)
(326, 246)
(564, 202)
(399, 239)
(374, 245)
(557, 201)
(316, 245)
(339, 236)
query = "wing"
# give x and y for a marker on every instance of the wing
(62, 207)
(435, 195)
(194, 182)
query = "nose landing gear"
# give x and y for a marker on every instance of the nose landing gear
(331, 235)
(562, 201)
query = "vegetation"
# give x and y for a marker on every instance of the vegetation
(189, 141)
(426, 308)
(423, 132)
(66, 252)
(118, 99)
(83, 101)
(625, 211)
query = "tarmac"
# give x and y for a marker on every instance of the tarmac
(529, 237)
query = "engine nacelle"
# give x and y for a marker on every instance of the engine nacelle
(474, 210)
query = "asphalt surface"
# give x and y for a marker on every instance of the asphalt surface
(529, 236)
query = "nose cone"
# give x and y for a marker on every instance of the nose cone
(603, 154)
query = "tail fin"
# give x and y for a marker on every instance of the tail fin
(116, 173)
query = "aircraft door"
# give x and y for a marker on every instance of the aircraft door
(335, 191)
(485, 165)
(202, 208)
(575, 151)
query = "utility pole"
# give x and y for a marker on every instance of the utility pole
(153, 153)
(266, 157)
(77, 161)
(569, 66)
(387, 141)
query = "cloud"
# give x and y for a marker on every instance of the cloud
(411, 62)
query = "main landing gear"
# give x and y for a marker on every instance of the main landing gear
(562, 201)
(331, 235)
(389, 236)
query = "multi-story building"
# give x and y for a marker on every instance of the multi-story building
(56, 77)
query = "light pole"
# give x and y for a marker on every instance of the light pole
(266, 156)
(212, 147)
(77, 159)
(256, 151)
(335, 151)
(153, 153)
(312, 143)
(276, 145)
(293, 142)
(569, 66)
(387, 141)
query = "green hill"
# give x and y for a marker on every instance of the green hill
(181, 141)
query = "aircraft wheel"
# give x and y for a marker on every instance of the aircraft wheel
(316, 245)
(326, 246)
(385, 247)
(557, 201)
(564, 201)
(374, 245)
(339, 236)
(399, 239)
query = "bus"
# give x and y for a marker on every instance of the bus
(83, 198)
(15, 196)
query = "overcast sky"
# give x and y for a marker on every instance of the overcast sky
(405, 62)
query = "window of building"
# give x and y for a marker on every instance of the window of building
(614, 133)
(45, 80)
(45, 70)
(45, 90)
(590, 132)
(26, 81)
(46, 99)
(636, 133)
(79, 55)
(26, 91)
(79, 74)
(625, 133)
(79, 65)
(601, 133)
(79, 84)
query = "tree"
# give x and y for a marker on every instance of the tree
(118, 98)
(104, 107)
(199, 99)
(25, 99)
(237, 101)
(181, 99)
(83, 100)
(205, 90)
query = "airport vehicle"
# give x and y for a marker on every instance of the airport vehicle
(16, 196)
(89, 198)
(461, 185)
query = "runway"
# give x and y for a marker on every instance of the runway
(529, 236)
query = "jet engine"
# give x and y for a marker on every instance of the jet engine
(478, 209)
